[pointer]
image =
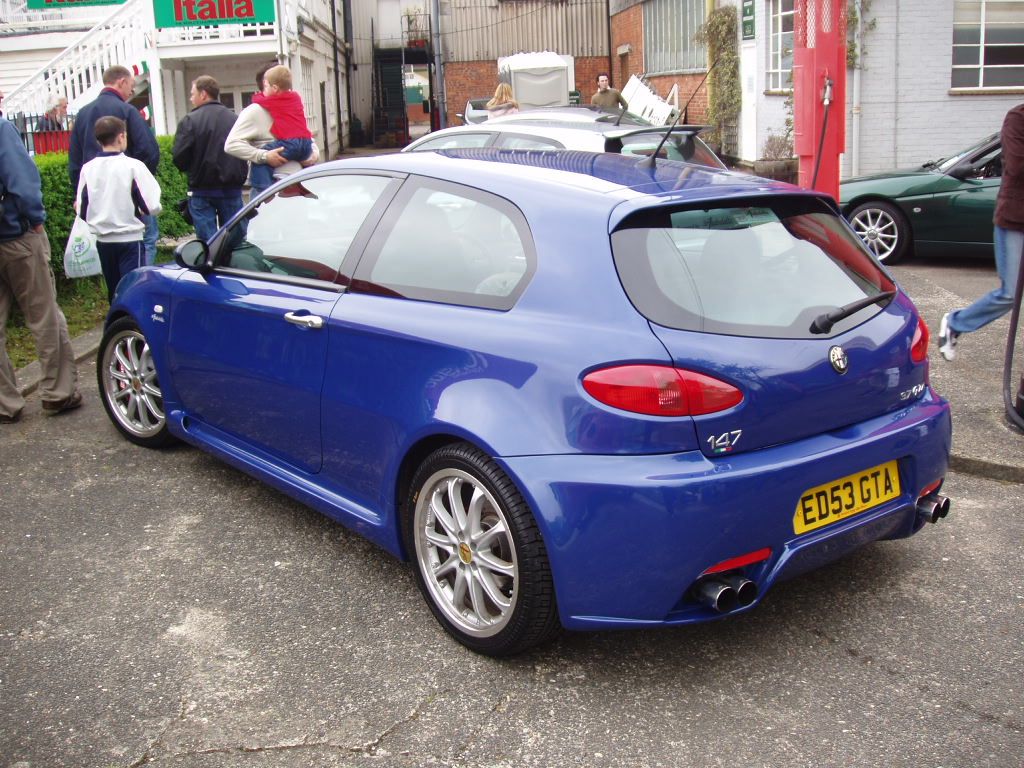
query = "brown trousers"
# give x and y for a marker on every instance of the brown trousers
(26, 277)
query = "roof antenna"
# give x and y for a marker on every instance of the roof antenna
(650, 160)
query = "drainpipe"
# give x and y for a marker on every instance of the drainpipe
(279, 12)
(442, 94)
(611, 62)
(855, 120)
(349, 51)
(337, 75)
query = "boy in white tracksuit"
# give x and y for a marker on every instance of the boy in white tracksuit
(114, 190)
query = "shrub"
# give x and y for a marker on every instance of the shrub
(59, 198)
(174, 186)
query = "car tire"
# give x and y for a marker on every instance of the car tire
(129, 387)
(883, 229)
(477, 554)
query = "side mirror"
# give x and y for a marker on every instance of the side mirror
(195, 254)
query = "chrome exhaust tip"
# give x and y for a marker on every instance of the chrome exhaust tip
(746, 590)
(933, 507)
(717, 595)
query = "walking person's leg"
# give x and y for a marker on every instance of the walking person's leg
(109, 266)
(1008, 247)
(30, 280)
(204, 216)
(149, 237)
(11, 401)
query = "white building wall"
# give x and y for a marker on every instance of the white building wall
(22, 55)
(909, 115)
(363, 28)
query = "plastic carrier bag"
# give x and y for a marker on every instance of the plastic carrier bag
(81, 259)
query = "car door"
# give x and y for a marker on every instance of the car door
(248, 341)
(963, 210)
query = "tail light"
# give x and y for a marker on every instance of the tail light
(919, 346)
(660, 390)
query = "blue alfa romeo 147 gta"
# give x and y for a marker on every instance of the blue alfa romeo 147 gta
(574, 390)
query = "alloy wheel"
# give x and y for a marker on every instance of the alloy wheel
(465, 552)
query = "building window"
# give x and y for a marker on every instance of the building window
(669, 28)
(988, 44)
(307, 93)
(780, 45)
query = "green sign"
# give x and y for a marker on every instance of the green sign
(748, 19)
(42, 5)
(212, 13)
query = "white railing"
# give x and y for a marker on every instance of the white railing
(76, 72)
(217, 34)
(16, 17)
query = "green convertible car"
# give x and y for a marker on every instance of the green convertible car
(943, 207)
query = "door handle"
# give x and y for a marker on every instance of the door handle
(306, 321)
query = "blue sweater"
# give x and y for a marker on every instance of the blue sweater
(84, 147)
(20, 187)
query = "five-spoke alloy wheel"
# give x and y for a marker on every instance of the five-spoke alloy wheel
(129, 387)
(884, 230)
(478, 555)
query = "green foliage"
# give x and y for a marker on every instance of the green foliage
(855, 48)
(59, 198)
(719, 35)
(174, 186)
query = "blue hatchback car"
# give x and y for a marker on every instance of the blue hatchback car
(573, 389)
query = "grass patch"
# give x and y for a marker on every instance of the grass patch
(84, 302)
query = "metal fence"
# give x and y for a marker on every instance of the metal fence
(39, 136)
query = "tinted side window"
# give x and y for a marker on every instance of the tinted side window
(306, 229)
(448, 243)
(510, 141)
(454, 141)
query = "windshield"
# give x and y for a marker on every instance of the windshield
(945, 165)
(767, 269)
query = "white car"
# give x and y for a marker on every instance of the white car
(582, 128)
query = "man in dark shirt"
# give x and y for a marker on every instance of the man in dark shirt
(26, 279)
(215, 178)
(119, 85)
(1009, 242)
(606, 96)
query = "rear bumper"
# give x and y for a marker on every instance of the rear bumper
(628, 536)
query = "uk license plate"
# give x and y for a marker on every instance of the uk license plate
(848, 496)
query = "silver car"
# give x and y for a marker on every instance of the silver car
(582, 128)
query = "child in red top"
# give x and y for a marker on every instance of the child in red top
(289, 128)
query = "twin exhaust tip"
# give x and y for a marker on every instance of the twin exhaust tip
(933, 507)
(727, 593)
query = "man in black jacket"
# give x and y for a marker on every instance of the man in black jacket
(215, 178)
(119, 85)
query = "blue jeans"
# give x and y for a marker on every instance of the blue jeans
(149, 238)
(211, 213)
(262, 176)
(1009, 245)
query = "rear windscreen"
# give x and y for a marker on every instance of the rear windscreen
(768, 268)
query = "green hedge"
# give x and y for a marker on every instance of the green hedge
(58, 197)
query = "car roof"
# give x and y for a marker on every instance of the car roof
(612, 181)
(572, 114)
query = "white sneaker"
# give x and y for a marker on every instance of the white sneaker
(947, 339)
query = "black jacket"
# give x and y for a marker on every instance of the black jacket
(199, 149)
(84, 147)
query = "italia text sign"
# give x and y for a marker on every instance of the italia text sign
(42, 5)
(208, 13)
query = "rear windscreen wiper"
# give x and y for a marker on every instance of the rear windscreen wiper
(823, 323)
